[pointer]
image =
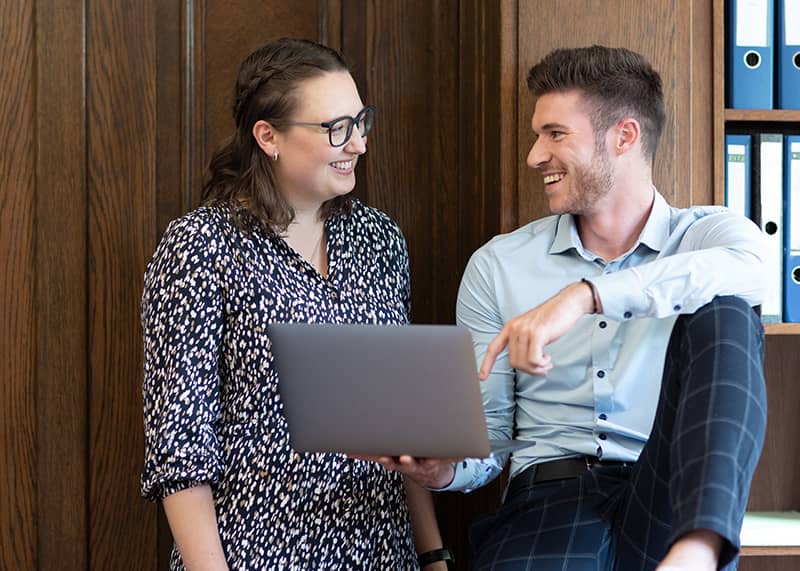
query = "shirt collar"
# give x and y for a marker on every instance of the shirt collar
(654, 234)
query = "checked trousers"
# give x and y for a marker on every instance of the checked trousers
(694, 471)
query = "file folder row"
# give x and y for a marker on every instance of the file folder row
(762, 182)
(762, 43)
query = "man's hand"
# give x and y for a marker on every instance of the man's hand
(527, 334)
(427, 472)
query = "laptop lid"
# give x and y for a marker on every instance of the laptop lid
(381, 389)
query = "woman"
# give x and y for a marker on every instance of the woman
(278, 239)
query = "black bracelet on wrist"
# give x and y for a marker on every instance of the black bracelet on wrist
(595, 296)
(435, 555)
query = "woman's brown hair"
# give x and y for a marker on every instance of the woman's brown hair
(240, 173)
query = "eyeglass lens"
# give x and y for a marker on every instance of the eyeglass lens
(341, 129)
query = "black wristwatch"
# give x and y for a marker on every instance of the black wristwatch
(435, 555)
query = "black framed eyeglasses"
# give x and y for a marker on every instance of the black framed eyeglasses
(341, 128)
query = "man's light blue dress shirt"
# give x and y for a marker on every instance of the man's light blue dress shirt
(600, 397)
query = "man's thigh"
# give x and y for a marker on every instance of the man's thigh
(561, 525)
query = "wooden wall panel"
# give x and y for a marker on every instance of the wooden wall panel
(700, 119)
(773, 563)
(61, 340)
(776, 483)
(121, 152)
(233, 28)
(17, 318)
(659, 31)
(411, 165)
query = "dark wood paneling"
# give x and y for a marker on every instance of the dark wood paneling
(121, 98)
(17, 317)
(412, 159)
(776, 484)
(774, 563)
(656, 29)
(700, 121)
(508, 118)
(61, 361)
(174, 103)
(233, 28)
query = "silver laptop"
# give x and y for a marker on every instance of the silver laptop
(382, 390)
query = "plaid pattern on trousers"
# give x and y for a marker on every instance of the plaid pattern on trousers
(694, 471)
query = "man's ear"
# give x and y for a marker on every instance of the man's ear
(627, 135)
(266, 138)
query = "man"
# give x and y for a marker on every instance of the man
(618, 335)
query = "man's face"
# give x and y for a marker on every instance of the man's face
(577, 170)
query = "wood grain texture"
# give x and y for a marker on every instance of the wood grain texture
(700, 119)
(121, 99)
(411, 70)
(509, 119)
(660, 32)
(234, 28)
(771, 563)
(173, 105)
(61, 286)
(776, 484)
(18, 543)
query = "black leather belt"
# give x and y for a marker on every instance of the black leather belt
(558, 470)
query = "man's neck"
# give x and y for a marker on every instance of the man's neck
(615, 225)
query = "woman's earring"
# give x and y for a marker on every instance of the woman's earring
(275, 155)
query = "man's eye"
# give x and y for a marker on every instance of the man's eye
(556, 135)
(337, 128)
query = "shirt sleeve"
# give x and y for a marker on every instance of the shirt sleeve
(719, 254)
(477, 310)
(182, 323)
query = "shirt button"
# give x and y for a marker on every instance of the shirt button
(601, 374)
(677, 307)
(627, 315)
(602, 325)
(603, 436)
(603, 416)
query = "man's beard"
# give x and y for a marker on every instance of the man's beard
(589, 184)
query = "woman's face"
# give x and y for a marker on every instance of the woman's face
(309, 170)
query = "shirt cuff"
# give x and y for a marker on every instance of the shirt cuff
(471, 474)
(621, 295)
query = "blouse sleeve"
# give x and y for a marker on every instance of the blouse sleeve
(182, 324)
(405, 285)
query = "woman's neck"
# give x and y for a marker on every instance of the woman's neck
(306, 235)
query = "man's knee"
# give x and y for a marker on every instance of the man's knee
(724, 319)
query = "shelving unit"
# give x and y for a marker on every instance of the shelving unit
(771, 533)
(775, 484)
(782, 329)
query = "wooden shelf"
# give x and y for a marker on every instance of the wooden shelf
(763, 115)
(770, 550)
(782, 328)
(761, 530)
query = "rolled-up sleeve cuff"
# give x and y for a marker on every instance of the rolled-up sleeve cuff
(471, 474)
(621, 295)
(168, 488)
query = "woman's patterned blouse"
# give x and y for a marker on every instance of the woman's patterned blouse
(212, 412)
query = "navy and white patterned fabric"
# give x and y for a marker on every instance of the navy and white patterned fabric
(212, 411)
(694, 471)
